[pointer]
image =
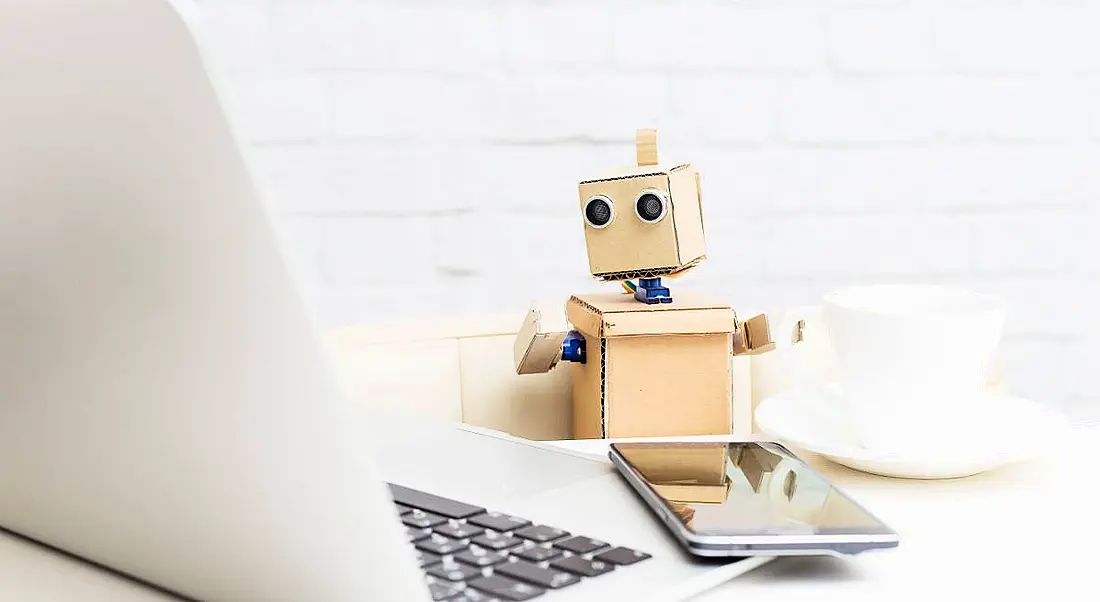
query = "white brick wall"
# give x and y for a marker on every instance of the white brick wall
(422, 155)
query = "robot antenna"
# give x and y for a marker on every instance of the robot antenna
(645, 144)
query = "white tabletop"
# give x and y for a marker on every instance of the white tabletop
(1028, 528)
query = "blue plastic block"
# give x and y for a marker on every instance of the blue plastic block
(650, 291)
(573, 347)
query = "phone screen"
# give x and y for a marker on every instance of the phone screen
(745, 489)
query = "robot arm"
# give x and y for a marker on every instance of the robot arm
(536, 352)
(753, 336)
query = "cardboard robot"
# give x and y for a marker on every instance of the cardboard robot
(645, 362)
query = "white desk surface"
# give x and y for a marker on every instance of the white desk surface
(1027, 529)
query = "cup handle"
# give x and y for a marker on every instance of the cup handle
(790, 334)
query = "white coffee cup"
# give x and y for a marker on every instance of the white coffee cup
(913, 360)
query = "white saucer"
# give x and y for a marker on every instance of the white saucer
(811, 419)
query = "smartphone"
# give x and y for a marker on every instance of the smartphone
(738, 498)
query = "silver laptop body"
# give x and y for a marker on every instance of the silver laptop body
(165, 409)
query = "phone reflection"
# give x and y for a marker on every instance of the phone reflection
(724, 487)
(685, 476)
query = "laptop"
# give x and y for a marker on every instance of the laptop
(166, 411)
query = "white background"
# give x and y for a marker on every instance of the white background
(422, 156)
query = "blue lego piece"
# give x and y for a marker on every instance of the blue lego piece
(573, 348)
(650, 291)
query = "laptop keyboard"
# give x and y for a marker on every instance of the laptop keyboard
(469, 554)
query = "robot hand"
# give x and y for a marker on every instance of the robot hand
(536, 352)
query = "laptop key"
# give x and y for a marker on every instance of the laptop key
(505, 588)
(479, 557)
(540, 533)
(498, 521)
(416, 534)
(621, 556)
(537, 553)
(582, 567)
(456, 530)
(437, 544)
(444, 591)
(580, 544)
(403, 509)
(452, 571)
(426, 558)
(497, 541)
(419, 519)
(433, 503)
(533, 573)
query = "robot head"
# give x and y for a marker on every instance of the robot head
(643, 221)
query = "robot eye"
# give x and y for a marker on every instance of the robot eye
(651, 206)
(599, 211)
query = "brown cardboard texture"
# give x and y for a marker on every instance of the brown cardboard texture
(534, 351)
(753, 336)
(691, 463)
(645, 146)
(652, 370)
(651, 217)
(686, 473)
(588, 386)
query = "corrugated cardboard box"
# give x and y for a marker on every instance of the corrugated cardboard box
(652, 369)
(631, 248)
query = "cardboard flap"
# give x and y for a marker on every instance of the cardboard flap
(634, 171)
(616, 315)
(536, 352)
(753, 336)
(584, 318)
(695, 321)
(670, 271)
